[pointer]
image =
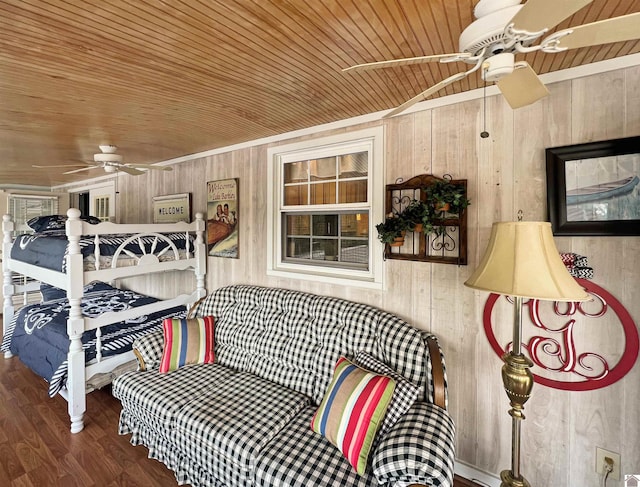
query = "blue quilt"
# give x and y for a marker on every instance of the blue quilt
(38, 332)
(49, 249)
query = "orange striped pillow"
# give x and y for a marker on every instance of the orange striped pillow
(187, 341)
(352, 410)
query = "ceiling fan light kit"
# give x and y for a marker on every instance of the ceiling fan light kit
(505, 28)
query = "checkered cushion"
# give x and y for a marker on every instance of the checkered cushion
(295, 338)
(299, 457)
(148, 350)
(157, 398)
(227, 428)
(404, 395)
(419, 448)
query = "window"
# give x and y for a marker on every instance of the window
(322, 209)
(101, 207)
(23, 208)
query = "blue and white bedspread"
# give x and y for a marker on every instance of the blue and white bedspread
(38, 332)
(49, 249)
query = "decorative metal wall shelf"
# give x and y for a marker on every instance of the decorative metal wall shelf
(450, 247)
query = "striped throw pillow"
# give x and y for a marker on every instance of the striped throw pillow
(187, 341)
(352, 410)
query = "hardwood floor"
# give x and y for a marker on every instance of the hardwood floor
(37, 449)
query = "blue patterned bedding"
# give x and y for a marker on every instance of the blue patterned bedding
(38, 332)
(49, 249)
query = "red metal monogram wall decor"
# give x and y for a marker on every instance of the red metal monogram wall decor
(556, 342)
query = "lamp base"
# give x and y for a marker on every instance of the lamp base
(507, 480)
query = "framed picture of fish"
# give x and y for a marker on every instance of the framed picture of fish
(222, 218)
(594, 188)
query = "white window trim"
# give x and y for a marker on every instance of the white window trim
(373, 278)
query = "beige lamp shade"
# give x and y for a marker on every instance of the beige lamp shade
(522, 260)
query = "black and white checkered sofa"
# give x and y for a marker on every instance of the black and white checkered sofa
(245, 420)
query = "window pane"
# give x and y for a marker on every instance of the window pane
(322, 169)
(325, 249)
(295, 195)
(354, 225)
(355, 251)
(323, 194)
(353, 191)
(298, 248)
(354, 165)
(298, 225)
(325, 225)
(296, 172)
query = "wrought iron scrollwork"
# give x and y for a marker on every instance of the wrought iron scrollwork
(447, 242)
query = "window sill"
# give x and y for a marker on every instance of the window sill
(346, 280)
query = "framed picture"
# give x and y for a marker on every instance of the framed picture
(594, 188)
(172, 208)
(222, 218)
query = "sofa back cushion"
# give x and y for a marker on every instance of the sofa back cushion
(295, 338)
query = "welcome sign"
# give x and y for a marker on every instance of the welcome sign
(172, 208)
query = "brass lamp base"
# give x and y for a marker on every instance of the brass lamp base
(509, 481)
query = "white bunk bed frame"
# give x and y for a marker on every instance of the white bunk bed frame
(74, 279)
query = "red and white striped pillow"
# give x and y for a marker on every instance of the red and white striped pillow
(187, 341)
(352, 410)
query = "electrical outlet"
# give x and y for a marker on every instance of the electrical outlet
(601, 454)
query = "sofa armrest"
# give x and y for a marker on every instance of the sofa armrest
(419, 449)
(148, 350)
(437, 370)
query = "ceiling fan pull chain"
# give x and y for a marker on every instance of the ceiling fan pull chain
(484, 134)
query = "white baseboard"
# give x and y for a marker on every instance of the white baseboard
(479, 476)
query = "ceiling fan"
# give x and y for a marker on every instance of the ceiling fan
(110, 162)
(504, 28)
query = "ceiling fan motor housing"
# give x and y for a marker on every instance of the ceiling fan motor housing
(107, 154)
(488, 30)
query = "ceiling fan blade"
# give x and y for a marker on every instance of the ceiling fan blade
(129, 170)
(617, 29)
(152, 167)
(426, 93)
(87, 168)
(522, 87)
(405, 62)
(537, 15)
(66, 165)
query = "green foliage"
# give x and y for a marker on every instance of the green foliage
(439, 194)
(428, 212)
(444, 191)
(392, 227)
(414, 213)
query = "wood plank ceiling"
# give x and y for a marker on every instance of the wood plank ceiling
(162, 79)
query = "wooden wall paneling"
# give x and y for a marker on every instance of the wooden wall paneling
(491, 200)
(556, 116)
(601, 94)
(421, 272)
(399, 163)
(628, 296)
(454, 151)
(632, 101)
(242, 168)
(257, 214)
(628, 278)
